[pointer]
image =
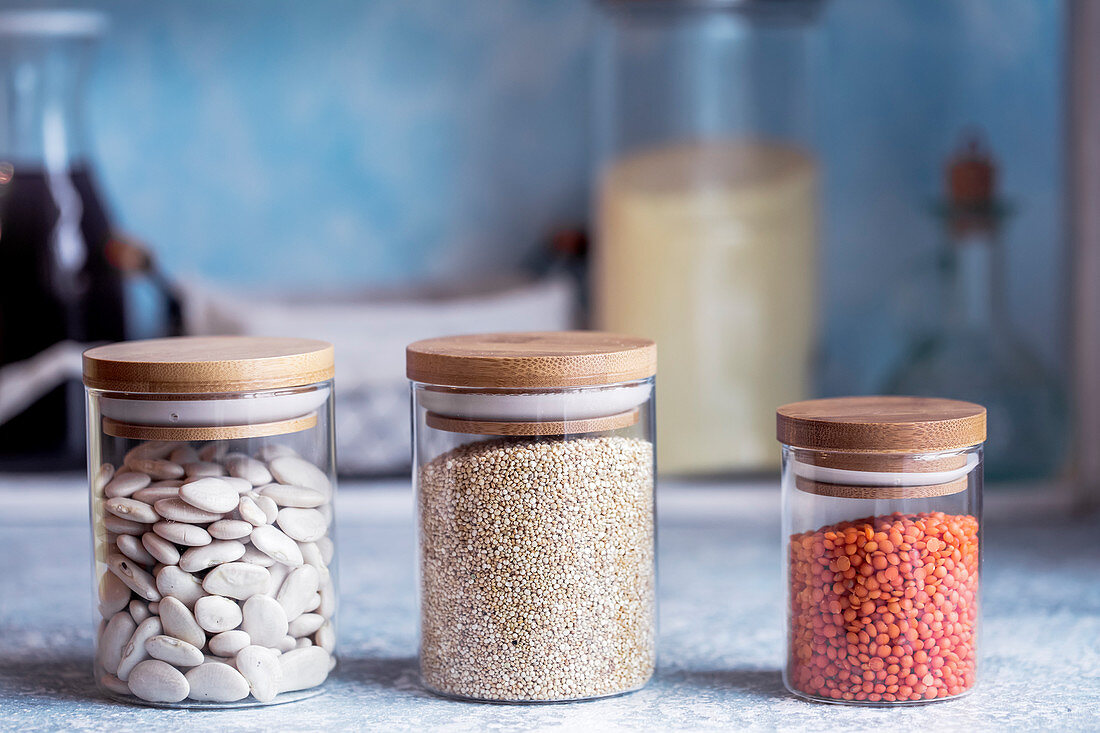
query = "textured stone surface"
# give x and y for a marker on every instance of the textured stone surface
(720, 633)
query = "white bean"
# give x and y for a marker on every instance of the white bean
(183, 454)
(158, 681)
(303, 643)
(133, 576)
(176, 652)
(210, 494)
(157, 468)
(237, 580)
(197, 559)
(260, 667)
(213, 451)
(255, 557)
(304, 668)
(137, 511)
(328, 598)
(306, 624)
(229, 529)
(164, 551)
(297, 472)
(295, 496)
(178, 622)
(242, 486)
(278, 577)
(287, 643)
(118, 525)
(271, 451)
(114, 684)
(311, 554)
(182, 533)
(264, 621)
(298, 590)
(304, 525)
(134, 651)
(114, 637)
(113, 595)
(271, 541)
(251, 512)
(204, 469)
(327, 548)
(151, 449)
(139, 610)
(217, 614)
(125, 484)
(102, 477)
(153, 494)
(326, 637)
(217, 682)
(248, 468)
(228, 643)
(175, 509)
(184, 587)
(267, 506)
(131, 547)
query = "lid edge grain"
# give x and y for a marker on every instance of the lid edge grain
(208, 365)
(885, 424)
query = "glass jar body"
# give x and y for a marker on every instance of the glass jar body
(882, 563)
(213, 544)
(706, 214)
(536, 535)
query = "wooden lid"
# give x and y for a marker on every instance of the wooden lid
(207, 364)
(531, 360)
(881, 424)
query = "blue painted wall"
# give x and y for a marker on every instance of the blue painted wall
(348, 144)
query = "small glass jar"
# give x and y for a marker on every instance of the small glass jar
(534, 473)
(882, 540)
(212, 484)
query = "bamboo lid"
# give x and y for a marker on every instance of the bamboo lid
(540, 360)
(207, 364)
(881, 424)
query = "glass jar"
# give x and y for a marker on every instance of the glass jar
(534, 474)
(882, 540)
(212, 484)
(706, 213)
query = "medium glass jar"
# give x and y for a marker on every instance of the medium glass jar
(212, 484)
(882, 540)
(534, 474)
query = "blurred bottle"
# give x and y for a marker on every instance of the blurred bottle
(56, 283)
(706, 214)
(972, 353)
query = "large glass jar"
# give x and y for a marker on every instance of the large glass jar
(534, 474)
(212, 484)
(882, 540)
(706, 213)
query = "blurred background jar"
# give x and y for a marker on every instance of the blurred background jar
(706, 222)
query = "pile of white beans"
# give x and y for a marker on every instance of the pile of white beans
(216, 583)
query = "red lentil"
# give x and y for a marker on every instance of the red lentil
(884, 609)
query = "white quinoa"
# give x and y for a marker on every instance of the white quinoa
(537, 569)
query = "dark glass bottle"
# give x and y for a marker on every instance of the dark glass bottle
(56, 283)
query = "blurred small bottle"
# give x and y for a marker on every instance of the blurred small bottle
(973, 353)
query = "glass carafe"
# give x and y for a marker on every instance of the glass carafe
(56, 283)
